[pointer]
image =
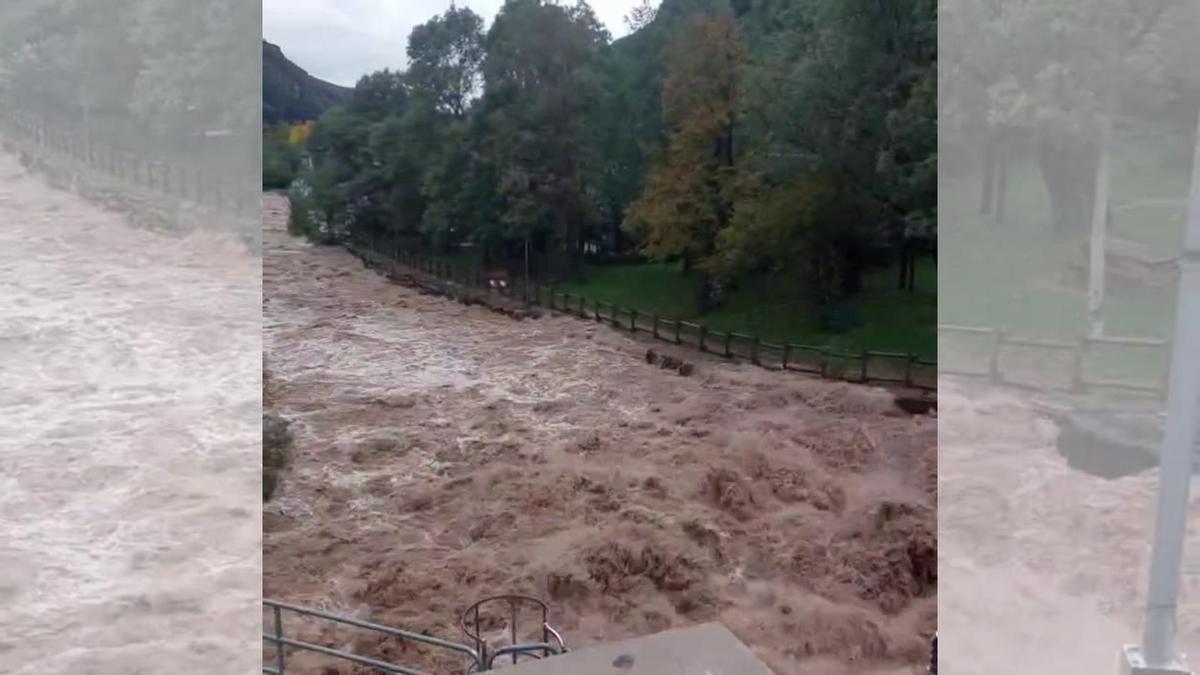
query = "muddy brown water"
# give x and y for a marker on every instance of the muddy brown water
(1044, 566)
(129, 402)
(446, 453)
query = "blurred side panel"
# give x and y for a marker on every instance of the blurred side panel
(1067, 137)
(130, 337)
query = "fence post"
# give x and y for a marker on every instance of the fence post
(863, 372)
(678, 341)
(703, 334)
(754, 351)
(729, 344)
(615, 323)
(908, 369)
(994, 361)
(1077, 367)
(633, 320)
(787, 350)
(655, 329)
(582, 307)
(596, 310)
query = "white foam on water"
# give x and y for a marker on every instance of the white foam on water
(130, 396)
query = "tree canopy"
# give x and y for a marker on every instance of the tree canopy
(795, 137)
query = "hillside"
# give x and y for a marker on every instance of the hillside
(290, 94)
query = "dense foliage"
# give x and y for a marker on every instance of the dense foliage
(163, 77)
(786, 137)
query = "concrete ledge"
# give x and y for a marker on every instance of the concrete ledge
(707, 649)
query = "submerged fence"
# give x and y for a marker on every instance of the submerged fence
(864, 366)
(174, 178)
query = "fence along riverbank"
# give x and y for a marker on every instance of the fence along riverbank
(864, 366)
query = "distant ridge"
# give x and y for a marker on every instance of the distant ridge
(290, 94)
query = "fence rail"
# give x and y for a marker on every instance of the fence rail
(865, 366)
(172, 178)
(1051, 365)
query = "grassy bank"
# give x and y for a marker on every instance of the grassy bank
(776, 310)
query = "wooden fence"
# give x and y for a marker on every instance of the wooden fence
(864, 366)
(172, 178)
(1071, 366)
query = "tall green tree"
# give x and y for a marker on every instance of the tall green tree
(539, 83)
(688, 196)
(445, 58)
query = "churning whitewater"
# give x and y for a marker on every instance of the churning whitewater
(130, 513)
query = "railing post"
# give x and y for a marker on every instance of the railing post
(596, 310)
(863, 372)
(655, 327)
(908, 370)
(787, 351)
(582, 307)
(994, 360)
(1077, 366)
(729, 344)
(754, 351)
(615, 323)
(633, 320)
(703, 333)
(279, 659)
(678, 340)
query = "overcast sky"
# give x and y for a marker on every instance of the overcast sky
(341, 40)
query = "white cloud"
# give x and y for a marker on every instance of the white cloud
(341, 40)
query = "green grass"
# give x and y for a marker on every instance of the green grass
(777, 311)
(1014, 274)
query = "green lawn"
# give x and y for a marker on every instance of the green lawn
(1014, 274)
(775, 310)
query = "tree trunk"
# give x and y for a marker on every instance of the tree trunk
(1001, 184)
(987, 189)
(1068, 169)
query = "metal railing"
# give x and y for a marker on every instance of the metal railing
(179, 178)
(280, 641)
(476, 659)
(472, 626)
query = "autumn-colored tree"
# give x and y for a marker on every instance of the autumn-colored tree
(299, 134)
(688, 196)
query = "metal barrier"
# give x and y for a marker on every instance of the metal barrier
(551, 644)
(477, 659)
(279, 641)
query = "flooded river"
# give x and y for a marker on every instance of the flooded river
(130, 504)
(445, 453)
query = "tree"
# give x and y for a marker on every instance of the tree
(193, 76)
(445, 56)
(843, 89)
(688, 197)
(640, 16)
(536, 96)
(1047, 75)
